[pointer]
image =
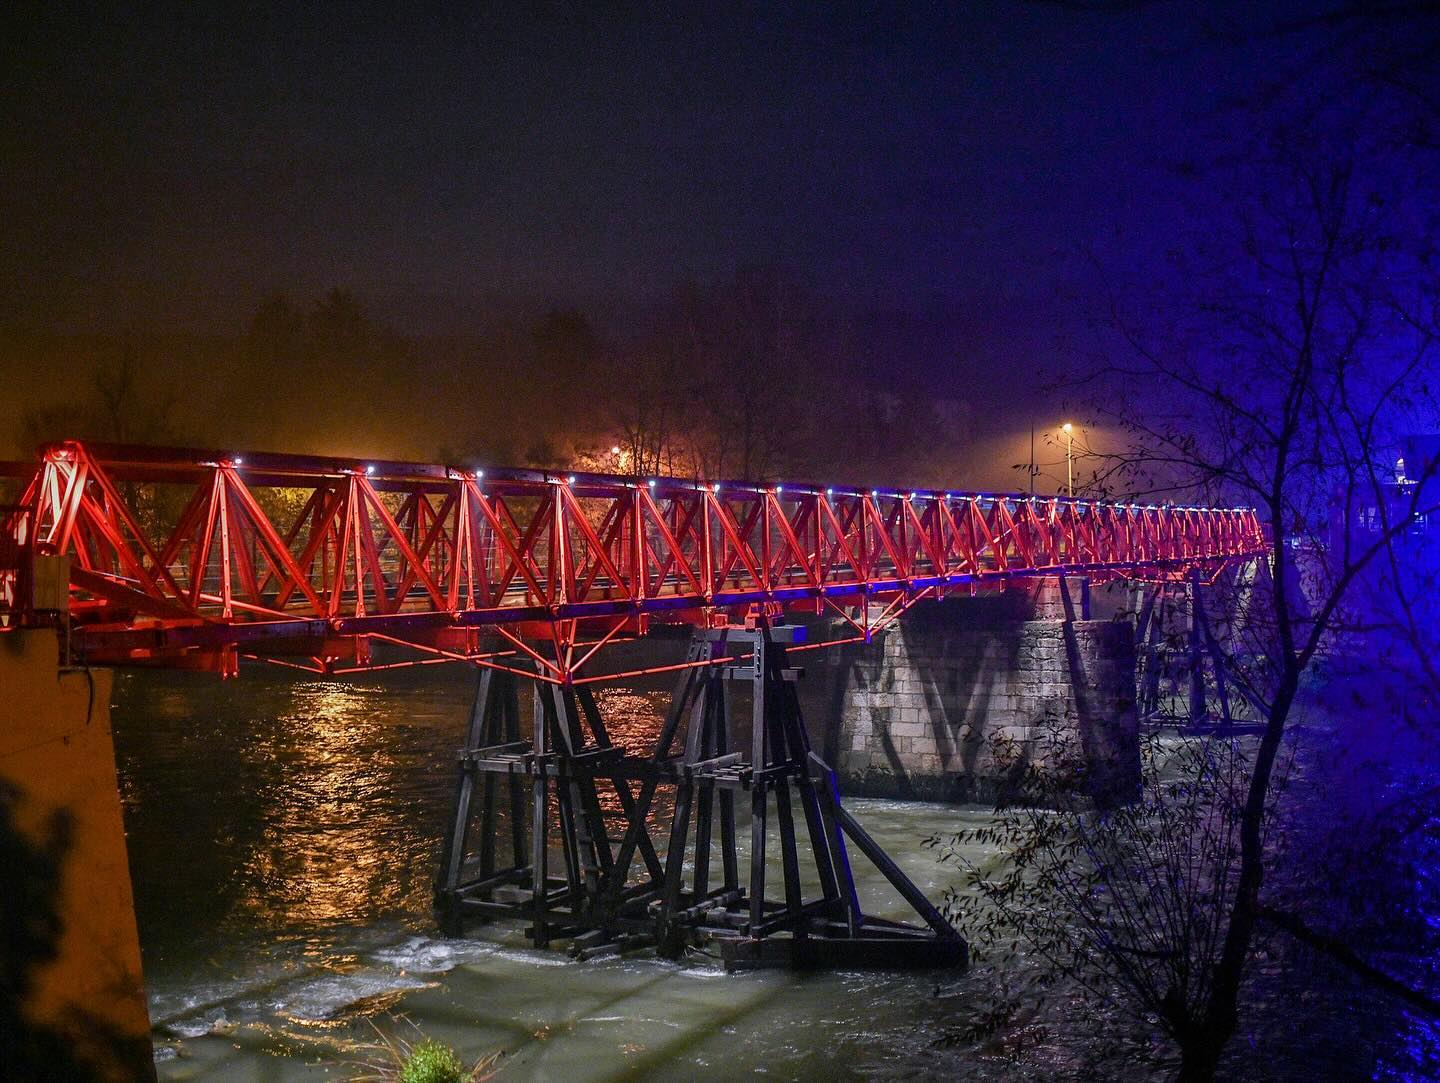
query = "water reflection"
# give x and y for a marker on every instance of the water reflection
(276, 806)
(632, 717)
(336, 823)
(283, 838)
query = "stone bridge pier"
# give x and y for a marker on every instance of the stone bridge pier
(955, 700)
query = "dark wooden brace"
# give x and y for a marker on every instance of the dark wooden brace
(1203, 659)
(615, 889)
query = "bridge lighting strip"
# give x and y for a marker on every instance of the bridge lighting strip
(413, 593)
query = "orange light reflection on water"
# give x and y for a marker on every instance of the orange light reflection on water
(333, 829)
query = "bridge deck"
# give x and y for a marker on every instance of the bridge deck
(191, 558)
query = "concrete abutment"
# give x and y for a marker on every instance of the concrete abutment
(957, 697)
(72, 1004)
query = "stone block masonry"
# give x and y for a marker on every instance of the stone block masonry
(953, 701)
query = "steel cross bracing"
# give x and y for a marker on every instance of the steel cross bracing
(193, 558)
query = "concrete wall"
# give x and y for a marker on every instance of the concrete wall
(72, 1004)
(953, 701)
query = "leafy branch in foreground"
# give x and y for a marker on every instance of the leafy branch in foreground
(1127, 904)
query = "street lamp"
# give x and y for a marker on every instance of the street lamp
(1032, 460)
(1069, 431)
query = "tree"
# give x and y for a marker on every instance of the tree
(1321, 357)
(118, 409)
(739, 364)
(1303, 349)
(763, 335)
(339, 331)
(724, 385)
(1128, 905)
(650, 414)
(564, 357)
(276, 335)
(656, 392)
(560, 384)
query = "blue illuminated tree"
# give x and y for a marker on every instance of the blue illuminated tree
(1278, 362)
(1305, 360)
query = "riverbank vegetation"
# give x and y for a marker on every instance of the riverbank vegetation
(394, 1058)
(1294, 348)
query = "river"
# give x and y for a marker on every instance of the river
(283, 836)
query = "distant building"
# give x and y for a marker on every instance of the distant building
(1414, 482)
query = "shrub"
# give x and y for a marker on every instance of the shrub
(431, 1062)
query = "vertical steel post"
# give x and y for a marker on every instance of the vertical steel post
(1199, 713)
(539, 840)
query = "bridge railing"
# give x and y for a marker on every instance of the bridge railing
(174, 548)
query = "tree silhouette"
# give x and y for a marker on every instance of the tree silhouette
(30, 931)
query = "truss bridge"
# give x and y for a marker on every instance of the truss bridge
(198, 559)
(143, 556)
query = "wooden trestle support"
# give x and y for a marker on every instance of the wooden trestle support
(1214, 697)
(616, 889)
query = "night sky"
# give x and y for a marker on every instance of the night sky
(962, 170)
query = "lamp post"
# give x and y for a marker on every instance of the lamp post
(1069, 431)
(1032, 460)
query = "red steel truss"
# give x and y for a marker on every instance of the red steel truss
(196, 558)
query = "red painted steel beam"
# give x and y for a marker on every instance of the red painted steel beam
(183, 555)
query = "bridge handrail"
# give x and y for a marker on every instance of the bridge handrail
(426, 550)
